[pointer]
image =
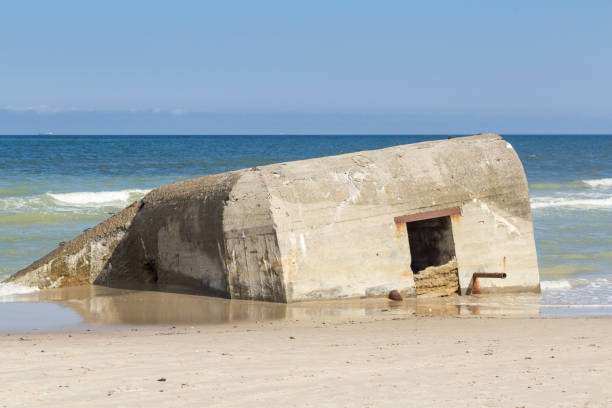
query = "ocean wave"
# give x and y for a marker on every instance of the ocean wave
(9, 288)
(572, 201)
(580, 292)
(555, 285)
(83, 202)
(98, 198)
(16, 204)
(578, 283)
(599, 183)
(594, 184)
(583, 194)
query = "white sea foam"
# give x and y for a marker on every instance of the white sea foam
(98, 198)
(572, 201)
(555, 285)
(592, 290)
(599, 183)
(71, 202)
(585, 194)
(58, 207)
(79, 201)
(9, 288)
(19, 203)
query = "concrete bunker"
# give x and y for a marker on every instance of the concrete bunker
(422, 219)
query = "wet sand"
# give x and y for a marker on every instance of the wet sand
(100, 307)
(118, 347)
(381, 360)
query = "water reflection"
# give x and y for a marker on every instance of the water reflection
(26, 316)
(111, 306)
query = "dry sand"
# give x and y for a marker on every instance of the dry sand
(380, 361)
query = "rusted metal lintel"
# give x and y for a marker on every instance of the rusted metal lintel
(475, 287)
(499, 275)
(428, 215)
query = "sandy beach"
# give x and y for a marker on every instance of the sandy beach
(367, 361)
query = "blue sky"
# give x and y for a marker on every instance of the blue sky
(308, 66)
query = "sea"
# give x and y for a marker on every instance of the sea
(54, 187)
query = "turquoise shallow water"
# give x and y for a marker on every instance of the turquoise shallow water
(54, 187)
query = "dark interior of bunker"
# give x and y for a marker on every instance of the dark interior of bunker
(431, 242)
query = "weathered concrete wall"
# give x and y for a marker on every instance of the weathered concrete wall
(176, 239)
(312, 229)
(81, 260)
(336, 227)
(492, 239)
(251, 255)
(333, 227)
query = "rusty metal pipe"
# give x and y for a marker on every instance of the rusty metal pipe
(475, 288)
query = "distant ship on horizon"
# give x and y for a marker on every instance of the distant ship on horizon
(47, 133)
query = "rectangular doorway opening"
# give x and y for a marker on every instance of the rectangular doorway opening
(432, 250)
(431, 242)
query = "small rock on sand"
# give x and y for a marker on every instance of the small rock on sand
(395, 295)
